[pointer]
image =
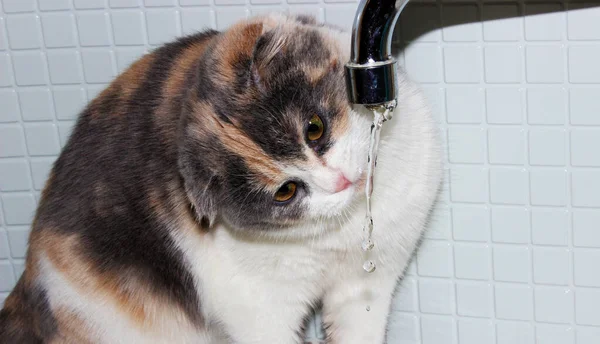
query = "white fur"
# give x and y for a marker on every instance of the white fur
(259, 290)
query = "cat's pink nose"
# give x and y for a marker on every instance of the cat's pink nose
(342, 183)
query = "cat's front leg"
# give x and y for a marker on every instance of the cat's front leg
(356, 311)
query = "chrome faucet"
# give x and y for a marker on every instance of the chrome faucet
(371, 71)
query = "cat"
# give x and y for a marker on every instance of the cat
(214, 193)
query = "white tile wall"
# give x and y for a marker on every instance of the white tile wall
(512, 253)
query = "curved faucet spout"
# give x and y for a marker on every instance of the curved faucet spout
(371, 71)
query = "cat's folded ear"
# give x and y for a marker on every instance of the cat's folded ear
(266, 56)
(201, 187)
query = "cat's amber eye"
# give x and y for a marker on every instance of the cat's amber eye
(286, 192)
(315, 128)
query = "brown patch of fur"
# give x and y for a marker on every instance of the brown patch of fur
(237, 43)
(122, 289)
(266, 171)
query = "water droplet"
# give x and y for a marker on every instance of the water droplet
(367, 245)
(369, 266)
(368, 308)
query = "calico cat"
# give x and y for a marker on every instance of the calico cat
(214, 193)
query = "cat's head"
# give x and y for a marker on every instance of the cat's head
(269, 139)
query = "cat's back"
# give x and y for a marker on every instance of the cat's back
(101, 228)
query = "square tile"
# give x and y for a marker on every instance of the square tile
(475, 331)
(546, 106)
(587, 303)
(547, 147)
(472, 261)
(586, 267)
(5, 70)
(435, 259)
(14, 175)
(162, 26)
(551, 334)
(585, 185)
(54, 5)
(454, 17)
(465, 105)
(544, 21)
(59, 30)
(10, 106)
(510, 225)
(23, 31)
(503, 65)
(11, 141)
(3, 40)
(462, 64)
(435, 330)
(422, 63)
(30, 68)
(550, 227)
(406, 299)
(18, 237)
(197, 20)
(98, 66)
(19, 208)
(17, 6)
(89, 4)
(436, 296)
(506, 146)
(466, 145)
(40, 169)
(587, 335)
(504, 105)
(468, 184)
(194, 2)
(128, 27)
(68, 102)
(42, 139)
(583, 66)
(124, 3)
(514, 302)
(512, 264)
(551, 265)
(341, 16)
(586, 228)
(36, 104)
(501, 22)
(65, 67)
(583, 24)
(581, 141)
(508, 186)
(7, 282)
(584, 106)
(225, 17)
(420, 22)
(471, 223)
(512, 332)
(545, 64)
(4, 250)
(159, 3)
(548, 187)
(93, 29)
(474, 299)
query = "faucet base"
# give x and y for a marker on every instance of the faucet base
(371, 84)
